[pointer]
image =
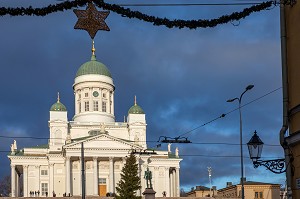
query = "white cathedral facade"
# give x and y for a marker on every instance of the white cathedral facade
(56, 166)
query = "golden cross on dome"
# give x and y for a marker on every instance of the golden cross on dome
(91, 20)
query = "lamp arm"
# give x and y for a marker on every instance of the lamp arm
(276, 166)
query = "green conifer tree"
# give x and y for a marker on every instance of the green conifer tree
(130, 182)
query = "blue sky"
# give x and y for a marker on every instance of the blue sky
(182, 79)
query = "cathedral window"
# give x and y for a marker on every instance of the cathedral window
(95, 105)
(86, 106)
(44, 189)
(258, 195)
(103, 106)
(102, 180)
(79, 105)
(79, 96)
(86, 94)
(44, 172)
(104, 95)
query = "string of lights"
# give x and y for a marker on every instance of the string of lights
(126, 12)
(188, 4)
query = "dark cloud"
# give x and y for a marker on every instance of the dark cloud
(182, 79)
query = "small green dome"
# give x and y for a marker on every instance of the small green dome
(93, 67)
(136, 109)
(58, 107)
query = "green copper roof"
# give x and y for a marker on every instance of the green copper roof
(58, 107)
(93, 67)
(171, 155)
(136, 109)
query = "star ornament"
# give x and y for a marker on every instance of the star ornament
(91, 20)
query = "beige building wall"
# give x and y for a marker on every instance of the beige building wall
(292, 16)
(253, 191)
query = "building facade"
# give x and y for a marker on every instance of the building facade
(202, 191)
(56, 166)
(253, 190)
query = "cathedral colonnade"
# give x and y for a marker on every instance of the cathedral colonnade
(100, 174)
(174, 182)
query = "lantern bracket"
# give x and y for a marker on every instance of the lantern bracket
(276, 166)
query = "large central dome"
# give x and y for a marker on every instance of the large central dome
(93, 67)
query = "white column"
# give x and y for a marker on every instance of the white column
(17, 185)
(91, 102)
(79, 177)
(171, 184)
(155, 178)
(82, 102)
(95, 161)
(51, 179)
(111, 175)
(112, 103)
(25, 180)
(37, 186)
(167, 181)
(177, 182)
(13, 180)
(76, 102)
(100, 100)
(174, 183)
(68, 175)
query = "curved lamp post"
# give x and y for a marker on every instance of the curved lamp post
(249, 87)
(255, 146)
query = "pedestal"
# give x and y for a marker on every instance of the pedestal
(149, 193)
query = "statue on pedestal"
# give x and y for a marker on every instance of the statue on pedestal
(148, 177)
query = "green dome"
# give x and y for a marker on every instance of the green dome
(136, 109)
(93, 67)
(58, 107)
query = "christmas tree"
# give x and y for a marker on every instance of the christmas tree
(130, 182)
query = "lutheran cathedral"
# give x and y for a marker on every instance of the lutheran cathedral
(56, 166)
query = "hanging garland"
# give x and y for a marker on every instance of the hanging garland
(178, 23)
(126, 12)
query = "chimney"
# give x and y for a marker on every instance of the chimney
(228, 184)
(214, 188)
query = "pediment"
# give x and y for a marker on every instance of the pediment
(103, 141)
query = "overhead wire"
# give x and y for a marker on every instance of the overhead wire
(190, 131)
(229, 112)
(150, 141)
(183, 155)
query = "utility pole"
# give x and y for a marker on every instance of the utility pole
(82, 172)
(209, 177)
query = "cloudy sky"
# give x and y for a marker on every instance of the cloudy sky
(182, 79)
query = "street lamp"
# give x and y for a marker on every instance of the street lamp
(249, 87)
(255, 146)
